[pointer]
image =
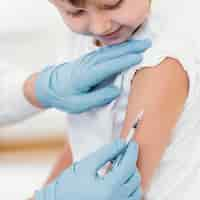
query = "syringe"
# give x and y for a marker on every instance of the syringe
(114, 163)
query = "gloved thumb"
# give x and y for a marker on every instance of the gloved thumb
(107, 153)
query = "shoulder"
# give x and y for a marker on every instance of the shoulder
(161, 91)
(162, 80)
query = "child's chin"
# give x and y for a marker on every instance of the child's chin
(115, 42)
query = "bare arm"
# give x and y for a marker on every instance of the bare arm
(63, 162)
(161, 91)
(29, 90)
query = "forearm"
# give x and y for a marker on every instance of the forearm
(63, 162)
(29, 90)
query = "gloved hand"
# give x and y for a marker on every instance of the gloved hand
(68, 86)
(81, 181)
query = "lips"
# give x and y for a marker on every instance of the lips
(112, 35)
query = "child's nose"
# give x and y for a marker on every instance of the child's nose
(100, 25)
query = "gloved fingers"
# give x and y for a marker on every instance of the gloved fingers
(128, 162)
(106, 53)
(110, 52)
(85, 102)
(98, 159)
(136, 195)
(96, 98)
(138, 46)
(127, 166)
(103, 71)
(132, 183)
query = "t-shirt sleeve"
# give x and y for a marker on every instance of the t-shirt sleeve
(181, 48)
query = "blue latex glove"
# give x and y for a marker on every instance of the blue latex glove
(81, 181)
(68, 87)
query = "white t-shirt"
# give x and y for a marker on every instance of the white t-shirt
(178, 174)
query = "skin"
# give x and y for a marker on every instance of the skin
(97, 19)
(29, 88)
(101, 18)
(160, 91)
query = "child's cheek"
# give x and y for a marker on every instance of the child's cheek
(133, 17)
(76, 25)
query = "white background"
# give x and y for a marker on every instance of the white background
(31, 36)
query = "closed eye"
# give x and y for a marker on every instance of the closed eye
(115, 6)
(76, 13)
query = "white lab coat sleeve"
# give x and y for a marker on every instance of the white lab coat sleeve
(13, 105)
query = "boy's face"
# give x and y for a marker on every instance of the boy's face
(109, 21)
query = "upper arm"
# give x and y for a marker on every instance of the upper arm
(161, 92)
